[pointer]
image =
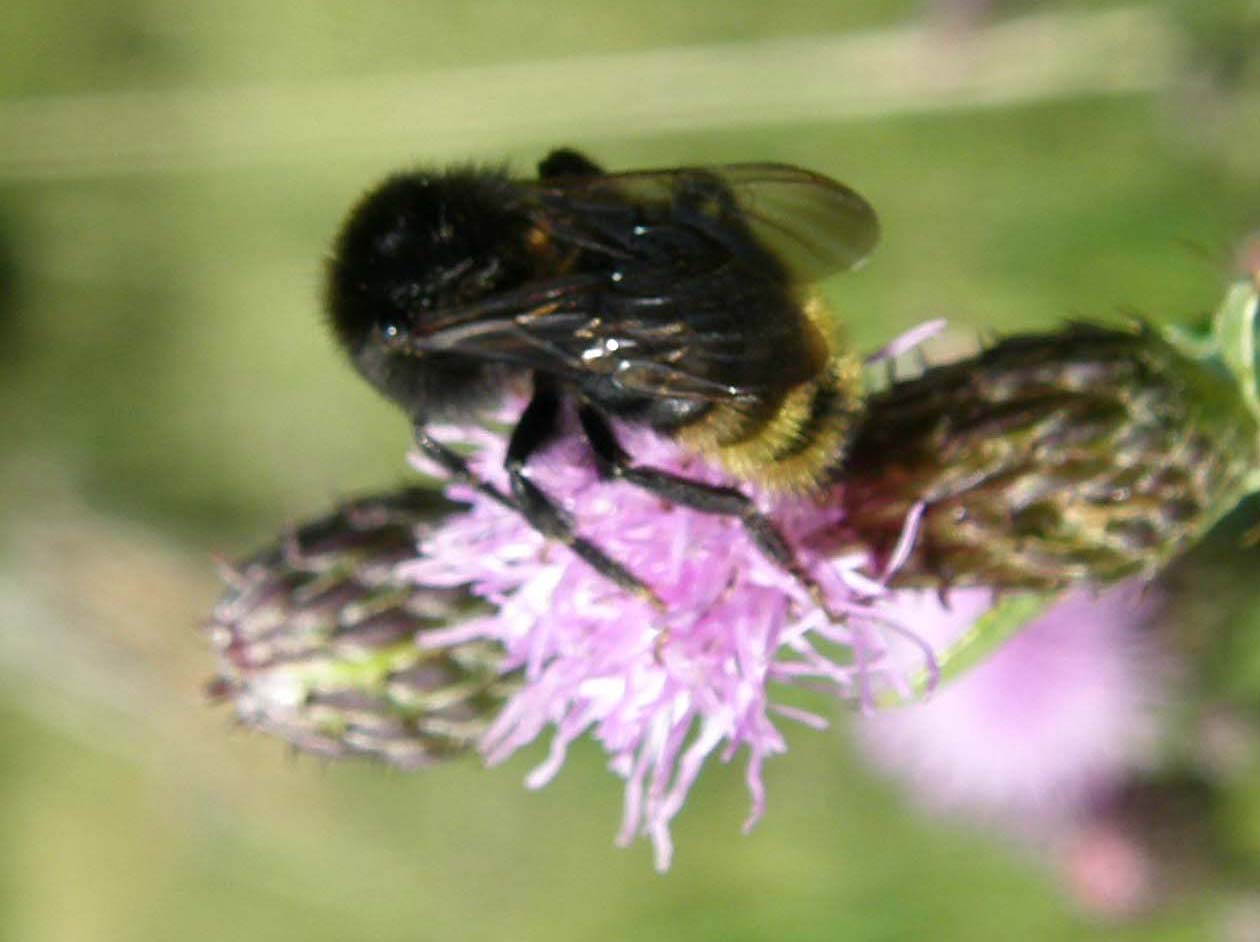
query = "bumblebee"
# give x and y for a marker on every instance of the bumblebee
(675, 299)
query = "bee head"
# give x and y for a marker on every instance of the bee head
(422, 243)
(417, 247)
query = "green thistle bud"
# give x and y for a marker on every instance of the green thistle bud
(1086, 455)
(317, 638)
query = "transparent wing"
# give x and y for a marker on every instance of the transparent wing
(813, 225)
(655, 304)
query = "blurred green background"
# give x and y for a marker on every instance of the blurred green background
(170, 177)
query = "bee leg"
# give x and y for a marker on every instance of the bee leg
(537, 426)
(615, 462)
(454, 464)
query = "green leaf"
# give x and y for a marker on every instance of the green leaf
(1231, 340)
(1010, 615)
(1234, 329)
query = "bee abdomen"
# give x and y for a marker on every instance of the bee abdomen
(789, 442)
(827, 404)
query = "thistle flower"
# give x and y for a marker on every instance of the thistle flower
(1086, 455)
(660, 693)
(1035, 737)
(318, 642)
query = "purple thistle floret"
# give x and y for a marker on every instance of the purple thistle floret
(661, 693)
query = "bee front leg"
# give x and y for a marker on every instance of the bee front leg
(615, 462)
(454, 464)
(537, 426)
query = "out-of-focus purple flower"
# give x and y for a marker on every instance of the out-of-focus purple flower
(661, 693)
(1047, 727)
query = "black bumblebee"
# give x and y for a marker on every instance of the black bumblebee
(677, 299)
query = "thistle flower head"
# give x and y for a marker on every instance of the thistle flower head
(1083, 456)
(661, 693)
(1086, 455)
(317, 640)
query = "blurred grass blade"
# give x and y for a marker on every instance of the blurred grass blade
(1004, 620)
(1046, 55)
(1009, 615)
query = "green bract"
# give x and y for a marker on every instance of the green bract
(1020, 434)
(1086, 455)
(320, 642)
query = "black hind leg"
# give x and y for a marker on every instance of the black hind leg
(537, 426)
(706, 498)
